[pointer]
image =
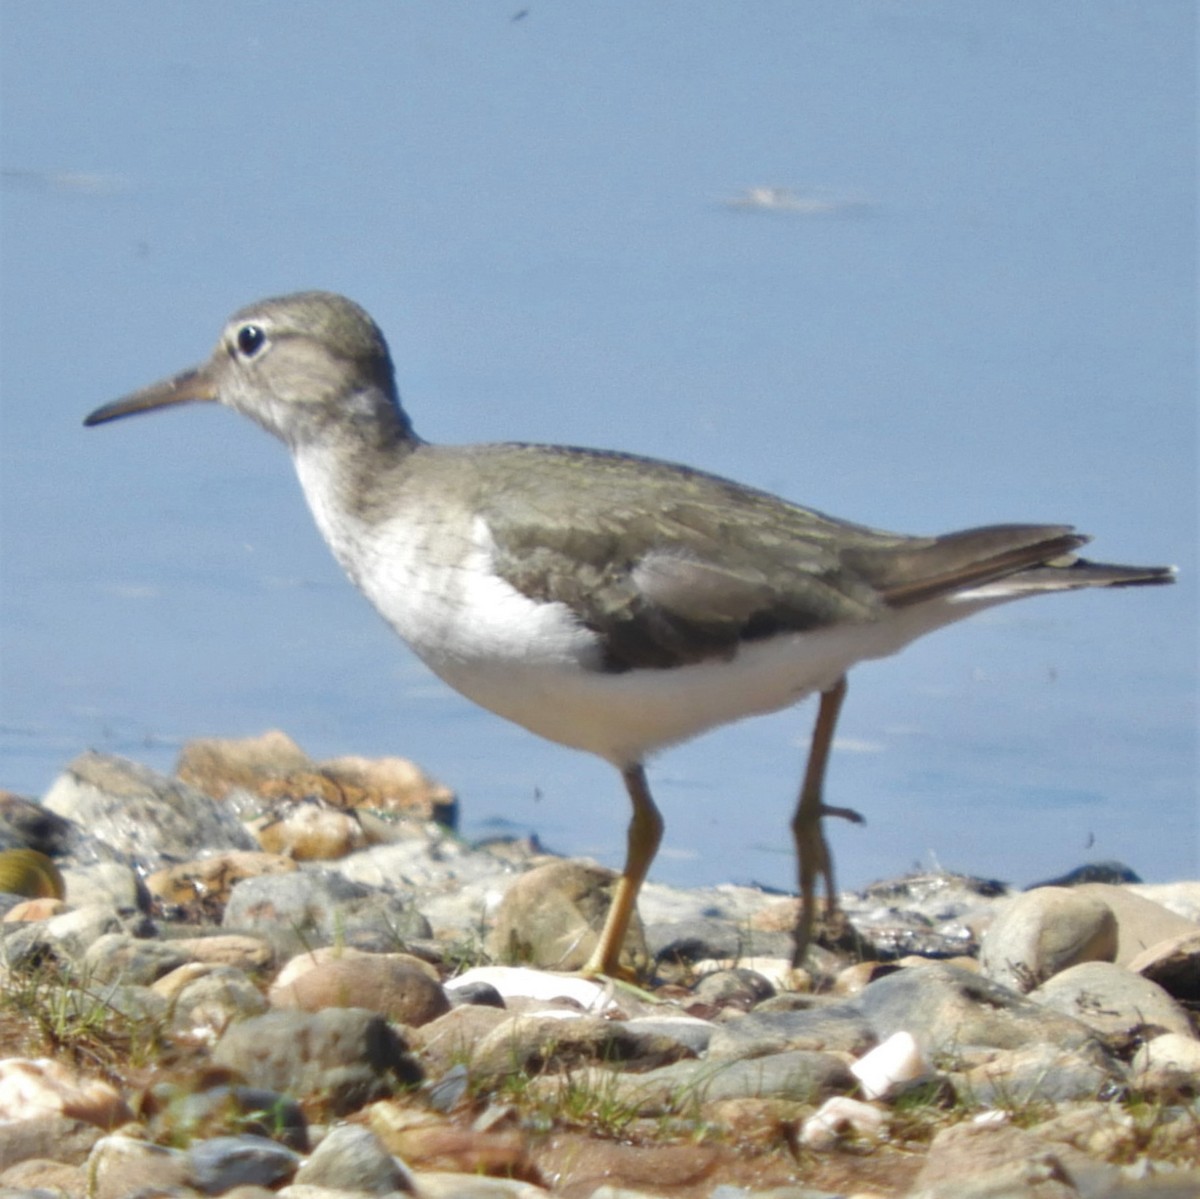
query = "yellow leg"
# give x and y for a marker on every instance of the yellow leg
(645, 833)
(812, 851)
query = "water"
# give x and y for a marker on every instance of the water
(994, 321)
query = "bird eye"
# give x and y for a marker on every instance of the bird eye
(251, 339)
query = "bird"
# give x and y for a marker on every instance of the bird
(612, 603)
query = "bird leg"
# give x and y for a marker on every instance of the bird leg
(812, 851)
(645, 833)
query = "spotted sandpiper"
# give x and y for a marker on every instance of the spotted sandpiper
(608, 602)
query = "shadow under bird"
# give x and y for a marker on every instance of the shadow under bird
(608, 602)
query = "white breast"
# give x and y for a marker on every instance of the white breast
(535, 665)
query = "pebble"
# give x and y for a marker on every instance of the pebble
(322, 983)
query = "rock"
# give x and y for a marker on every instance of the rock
(210, 880)
(35, 910)
(72, 934)
(395, 985)
(1174, 964)
(890, 1067)
(438, 1185)
(839, 1028)
(274, 767)
(118, 957)
(309, 832)
(352, 1159)
(39, 1178)
(1122, 1007)
(252, 955)
(218, 765)
(1168, 1064)
(732, 988)
(551, 917)
(426, 1141)
(519, 982)
(837, 1116)
(946, 1008)
(685, 942)
(55, 1136)
(451, 1038)
(798, 1074)
(36, 1087)
(141, 814)
(1038, 933)
(1041, 1072)
(1141, 922)
(26, 824)
(1182, 898)
(121, 1166)
(345, 1056)
(185, 1116)
(1092, 872)
(393, 785)
(31, 874)
(968, 1161)
(211, 998)
(218, 1165)
(106, 884)
(297, 912)
(536, 1044)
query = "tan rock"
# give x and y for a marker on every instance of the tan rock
(274, 767)
(40, 1174)
(251, 954)
(1170, 1063)
(211, 879)
(1040, 932)
(1174, 964)
(217, 765)
(390, 984)
(551, 917)
(392, 785)
(34, 909)
(1141, 923)
(33, 1087)
(427, 1141)
(309, 832)
(450, 1040)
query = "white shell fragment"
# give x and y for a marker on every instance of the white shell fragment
(889, 1066)
(835, 1117)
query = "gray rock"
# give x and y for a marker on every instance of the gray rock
(347, 1055)
(112, 884)
(947, 1008)
(687, 941)
(968, 1161)
(352, 1159)
(798, 1074)
(1038, 933)
(52, 1137)
(219, 1164)
(841, 1028)
(118, 957)
(121, 1166)
(73, 933)
(1042, 1073)
(737, 988)
(1117, 1004)
(217, 999)
(142, 814)
(311, 908)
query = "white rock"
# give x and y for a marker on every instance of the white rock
(518, 981)
(835, 1117)
(890, 1065)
